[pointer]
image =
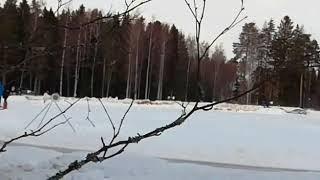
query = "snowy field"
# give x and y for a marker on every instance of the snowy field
(231, 142)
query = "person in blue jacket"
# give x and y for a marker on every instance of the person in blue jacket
(1, 91)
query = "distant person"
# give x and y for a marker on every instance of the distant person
(1, 91)
(6, 94)
(46, 97)
(265, 103)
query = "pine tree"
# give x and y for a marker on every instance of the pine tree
(263, 71)
(171, 61)
(181, 68)
(24, 34)
(282, 45)
(107, 48)
(246, 51)
(218, 59)
(9, 37)
(50, 41)
(191, 50)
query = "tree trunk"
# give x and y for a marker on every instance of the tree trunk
(129, 77)
(150, 80)
(63, 57)
(103, 78)
(76, 72)
(22, 77)
(94, 60)
(136, 72)
(301, 90)
(4, 73)
(93, 68)
(35, 85)
(30, 81)
(109, 83)
(187, 84)
(39, 87)
(140, 87)
(139, 82)
(216, 73)
(68, 82)
(146, 93)
(160, 83)
(23, 70)
(309, 89)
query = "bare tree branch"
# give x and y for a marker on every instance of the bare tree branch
(234, 23)
(116, 133)
(41, 130)
(96, 156)
(88, 113)
(191, 10)
(61, 4)
(53, 127)
(129, 8)
(124, 117)
(210, 106)
(109, 118)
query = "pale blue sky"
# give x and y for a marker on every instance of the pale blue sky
(219, 14)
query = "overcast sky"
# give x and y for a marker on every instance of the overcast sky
(219, 14)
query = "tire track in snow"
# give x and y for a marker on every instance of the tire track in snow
(58, 149)
(238, 166)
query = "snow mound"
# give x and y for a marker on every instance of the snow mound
(295, 111)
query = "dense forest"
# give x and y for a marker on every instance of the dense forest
(127, 57)
(286, 56)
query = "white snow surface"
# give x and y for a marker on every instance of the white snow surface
(230, 134)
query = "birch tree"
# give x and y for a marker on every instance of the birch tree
(63, 54)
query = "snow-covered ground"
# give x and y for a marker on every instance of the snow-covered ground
(248, 136)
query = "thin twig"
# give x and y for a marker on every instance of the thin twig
(53, 127)
(109, 118)
(234, 22)
(109, 16)
(39, 131)
(124, 117)
(88, 113)
(65, 117)
(44, 116)
(116, 133)
(29, 124)
(61, 4)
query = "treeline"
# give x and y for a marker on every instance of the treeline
(122, 56)
(127, 57)
(286, 56)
